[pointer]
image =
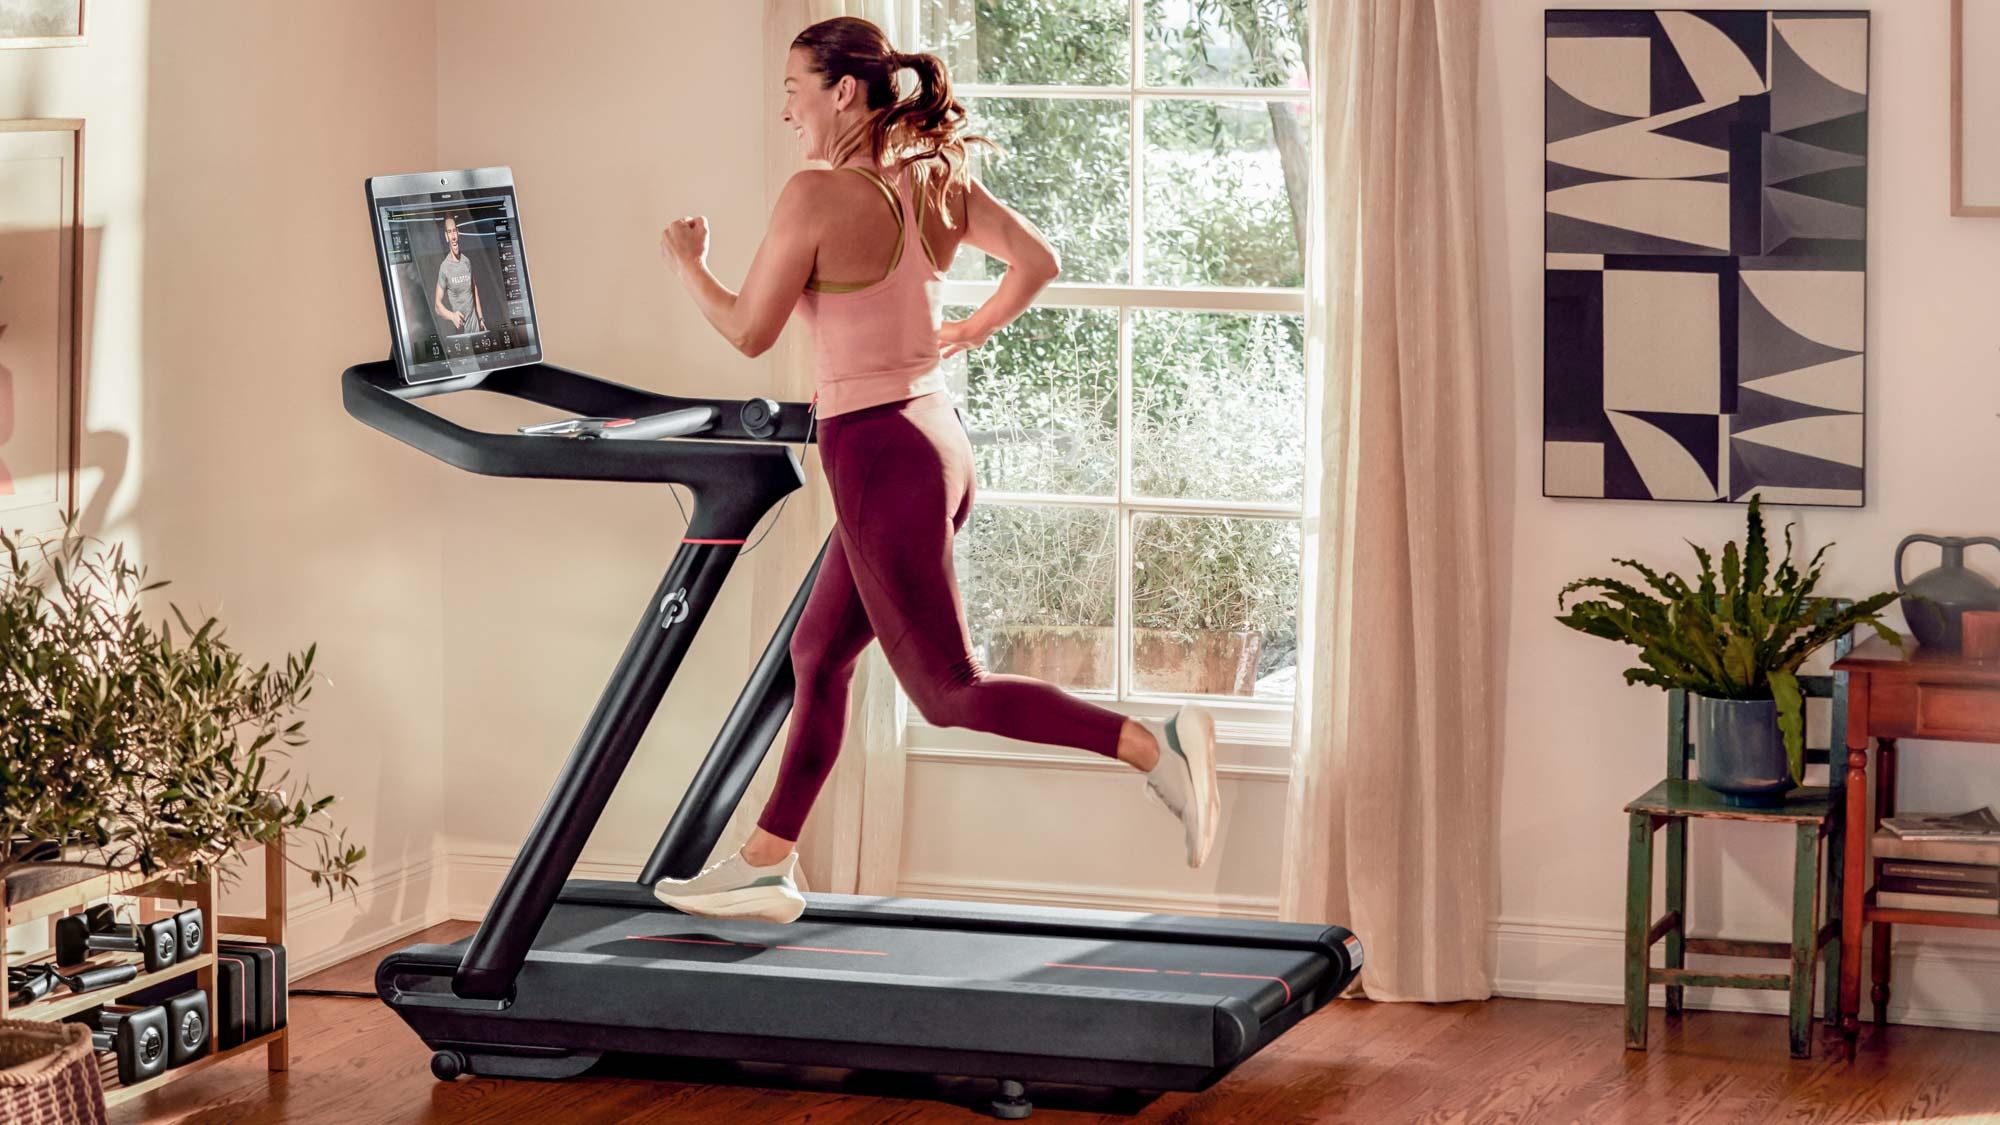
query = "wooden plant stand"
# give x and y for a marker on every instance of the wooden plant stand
(73, 897)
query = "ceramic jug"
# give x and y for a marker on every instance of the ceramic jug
(1935, 601)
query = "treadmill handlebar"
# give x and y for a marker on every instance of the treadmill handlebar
(734, 474)
(374, 392)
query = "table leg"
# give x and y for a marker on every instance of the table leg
(1885, 806)
(1856, 844)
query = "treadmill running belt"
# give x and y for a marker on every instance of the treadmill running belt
(1267, 979)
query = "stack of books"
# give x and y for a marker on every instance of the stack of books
(1939, 861)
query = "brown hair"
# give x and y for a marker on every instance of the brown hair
(924, 130)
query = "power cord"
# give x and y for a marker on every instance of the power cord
(353, 992)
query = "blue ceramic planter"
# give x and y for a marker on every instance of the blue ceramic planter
(1739, 751)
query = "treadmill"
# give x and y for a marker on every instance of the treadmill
(562, 973)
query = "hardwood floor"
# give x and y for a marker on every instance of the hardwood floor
(1506, 1060)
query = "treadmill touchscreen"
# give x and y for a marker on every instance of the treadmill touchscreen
(453, 272)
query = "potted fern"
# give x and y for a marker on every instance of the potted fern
(127, 744)
(1734, 640)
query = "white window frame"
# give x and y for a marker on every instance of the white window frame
(1257, 733)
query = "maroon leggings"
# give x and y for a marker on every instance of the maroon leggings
(901, 477)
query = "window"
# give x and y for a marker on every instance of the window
(1141, 433)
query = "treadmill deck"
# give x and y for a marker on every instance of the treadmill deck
(1077, 996)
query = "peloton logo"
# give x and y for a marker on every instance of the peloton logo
(674, 608)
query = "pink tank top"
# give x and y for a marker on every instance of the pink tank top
(878, 344)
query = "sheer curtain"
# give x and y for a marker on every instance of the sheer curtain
(1388, 828)
(853, 843)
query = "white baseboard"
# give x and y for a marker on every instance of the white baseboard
(1933, 983)
(1093, 898)
(475, 879)
(387, 906)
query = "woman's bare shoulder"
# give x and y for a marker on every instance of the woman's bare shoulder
(814, 196)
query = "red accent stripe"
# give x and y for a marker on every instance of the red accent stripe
(756, 945)
(850, 952)
(1176, 972)
(718, 542)
(1255, 976)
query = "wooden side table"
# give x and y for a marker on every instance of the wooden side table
(1891, 694)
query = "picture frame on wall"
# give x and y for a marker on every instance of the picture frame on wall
(1975, 106)
(41, 23)
(1705, 232)
(41, 332)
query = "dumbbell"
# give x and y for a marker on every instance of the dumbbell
(138, 1036)
(32, 982)
(78, 935)
(188, 923)
(187, 1025)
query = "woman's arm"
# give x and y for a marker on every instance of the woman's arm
(999, 230)
(752, 319)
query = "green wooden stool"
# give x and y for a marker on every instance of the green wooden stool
(1813, 813)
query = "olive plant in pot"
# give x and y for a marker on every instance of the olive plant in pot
(1734, 639)
(133, 745)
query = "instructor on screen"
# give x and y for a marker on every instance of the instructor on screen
(455, 298)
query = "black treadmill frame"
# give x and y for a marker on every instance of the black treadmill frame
(467, 1000)
(735, 478)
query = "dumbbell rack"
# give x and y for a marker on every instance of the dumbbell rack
(72, 898)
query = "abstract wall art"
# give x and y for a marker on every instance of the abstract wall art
(1705, 241)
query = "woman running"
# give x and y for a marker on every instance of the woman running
(858, 248)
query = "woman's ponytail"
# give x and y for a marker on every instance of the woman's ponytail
(927, 129)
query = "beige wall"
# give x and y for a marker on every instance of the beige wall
(631, 113)
(232, 280)
(1578, 742)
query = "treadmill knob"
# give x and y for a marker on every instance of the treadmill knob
(760, 417)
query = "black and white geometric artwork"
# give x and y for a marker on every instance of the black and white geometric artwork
(1706, 248)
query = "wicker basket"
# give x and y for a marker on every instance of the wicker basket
(48, 1075)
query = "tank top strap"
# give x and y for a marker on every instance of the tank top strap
(914, 248)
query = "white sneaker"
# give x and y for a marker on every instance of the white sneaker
(732, 888)
(1183, 781)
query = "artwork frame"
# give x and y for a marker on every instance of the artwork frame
(41, 301)
(1705, 254)
(77, 39)
(1981, 198)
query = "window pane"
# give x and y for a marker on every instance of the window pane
(1032, 42)
(1037, 583)
(1222, 43)
(1067, 169)
(1041, 399)
(1225, 192)
(1229, 387)
(1215, 605)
